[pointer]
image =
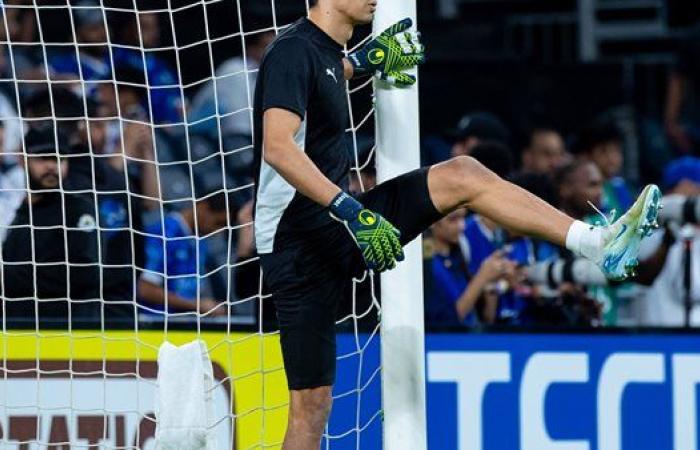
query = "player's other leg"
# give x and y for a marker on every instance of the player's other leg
(308, 414)
(464, 182)
(308, 279)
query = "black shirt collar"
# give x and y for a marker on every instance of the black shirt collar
(319, 36)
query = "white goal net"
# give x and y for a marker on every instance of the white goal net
(125, 192)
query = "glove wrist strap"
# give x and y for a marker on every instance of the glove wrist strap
(358, 65)
(344, 207)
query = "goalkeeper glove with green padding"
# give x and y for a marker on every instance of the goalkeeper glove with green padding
(390, 54)
(376, 237)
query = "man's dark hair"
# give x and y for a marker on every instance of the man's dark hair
(537, 129)
(495, 156)
(564, 173)
(598, 133)
(46, 140)
(65, 104)
(482, 125)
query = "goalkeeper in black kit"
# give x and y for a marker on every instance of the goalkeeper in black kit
(313, 237)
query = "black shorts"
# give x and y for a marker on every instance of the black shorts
(308, 280)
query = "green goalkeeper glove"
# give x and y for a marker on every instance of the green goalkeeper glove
(377, 239)
(390, 54)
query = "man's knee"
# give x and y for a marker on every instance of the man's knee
(468, 174)
(457, 182)
(466, 165)
(309, 408)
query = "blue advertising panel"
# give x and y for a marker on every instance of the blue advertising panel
(574, 392)
(535, 392)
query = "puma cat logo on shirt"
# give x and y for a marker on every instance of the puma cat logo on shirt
(331, 73)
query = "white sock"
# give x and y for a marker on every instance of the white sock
(584, 240)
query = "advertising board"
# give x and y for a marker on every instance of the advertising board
(573, 392)
(485, 391)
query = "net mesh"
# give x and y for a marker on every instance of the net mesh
(144, 207)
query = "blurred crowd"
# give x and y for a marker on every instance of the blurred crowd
(121, 195)
(131, 196)
(478, 273)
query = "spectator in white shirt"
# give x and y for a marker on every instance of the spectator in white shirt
(12, 187)
(232, 90)
(665, 300)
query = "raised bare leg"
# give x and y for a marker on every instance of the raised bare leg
(464, 182)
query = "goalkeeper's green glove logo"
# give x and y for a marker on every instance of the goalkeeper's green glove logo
(367, 217)
(376, 56)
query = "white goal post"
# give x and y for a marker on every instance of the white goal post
(402, 326)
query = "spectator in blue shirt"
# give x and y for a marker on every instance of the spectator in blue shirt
(484, 237)
(176, 258)
(91, 64)
(541, 185)
(454, 296)
(164, 90)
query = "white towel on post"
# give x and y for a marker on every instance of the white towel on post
(184, 403)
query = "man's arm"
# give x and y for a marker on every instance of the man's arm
(652, 266)
(155, 294)
(138, 144)
(685, 64)
(674, 97)
(672, 113)
(377, 239)
(282, 153)
(493, 268)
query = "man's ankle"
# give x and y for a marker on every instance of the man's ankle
(584, 240)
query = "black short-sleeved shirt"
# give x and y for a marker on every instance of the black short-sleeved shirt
(302, 72)
(119, 217)
(56, 232)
